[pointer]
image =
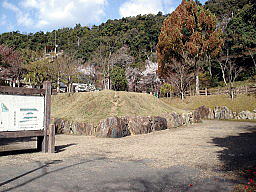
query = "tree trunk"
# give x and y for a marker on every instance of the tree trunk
(18, 82)
(210, 70)
(182, 95)
(58, 84)
(109, 83)
(231, 91)
(224, 78)
(197, 85)
(223, 73)
(29, 81)
(69, 84)
(232, 94)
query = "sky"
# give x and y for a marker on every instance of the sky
(29, 16)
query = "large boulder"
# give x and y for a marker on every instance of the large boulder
(139, 125)
(82, 129)
(204, 113)
(196, 116)
(174, 120)
(246, 115)
(159, 123)
(143, 125)
(223, 113)
(68, 127)
(188, 118)
(114, 127)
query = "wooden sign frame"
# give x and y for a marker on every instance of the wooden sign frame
(45, 137)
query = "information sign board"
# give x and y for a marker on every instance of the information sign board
(21, 113)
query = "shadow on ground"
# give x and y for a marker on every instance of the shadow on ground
(239, 152)
(174, 179)
(43, 167)
(5, 141)
(61, 148)
(58, 149)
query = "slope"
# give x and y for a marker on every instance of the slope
(95, 106)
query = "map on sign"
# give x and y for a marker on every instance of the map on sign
(19, 113)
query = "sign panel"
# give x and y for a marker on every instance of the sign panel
(21, 113)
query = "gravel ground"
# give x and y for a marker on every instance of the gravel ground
(203, 153)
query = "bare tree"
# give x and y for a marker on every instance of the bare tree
(101, 58)
(57, 71)
(230, 72)
(181, 75)
(66, 68)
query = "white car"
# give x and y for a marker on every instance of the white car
(80, 89)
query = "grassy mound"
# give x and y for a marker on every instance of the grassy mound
(240, 103)
(95, 106)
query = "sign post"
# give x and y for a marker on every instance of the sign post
(26, 113)
(47, 114)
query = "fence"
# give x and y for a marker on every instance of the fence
(223, 91)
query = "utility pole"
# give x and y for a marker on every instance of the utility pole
(55, 44)
(78, 41)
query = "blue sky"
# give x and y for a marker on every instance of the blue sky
(45, 15)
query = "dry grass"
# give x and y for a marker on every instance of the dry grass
(240, 103)
(95, 106)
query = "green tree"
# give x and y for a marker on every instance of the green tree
(38, 72)
(241, 37)
(166, 88)
(118, 79)
(226, 8)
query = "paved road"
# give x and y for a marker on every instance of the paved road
(101, 174)
(98, 172)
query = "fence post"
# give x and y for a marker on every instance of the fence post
(47, 115)
(206, 92)
(246, 90)
(51, 148)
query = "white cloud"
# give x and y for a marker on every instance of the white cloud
(3, 20)
(136, 7)
(51, 14)
(29, 3)
(10, 6)
(23, 19)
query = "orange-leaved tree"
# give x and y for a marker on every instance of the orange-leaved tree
(187, 37)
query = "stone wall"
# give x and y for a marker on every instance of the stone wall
(116, 127)
(224, 113)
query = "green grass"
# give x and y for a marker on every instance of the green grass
(240, 103)
(95, 106)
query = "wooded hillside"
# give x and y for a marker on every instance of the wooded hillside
(124, 46)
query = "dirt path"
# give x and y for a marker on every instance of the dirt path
(200, 154)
